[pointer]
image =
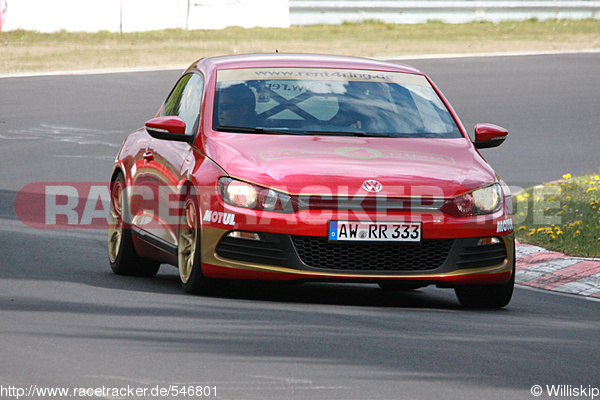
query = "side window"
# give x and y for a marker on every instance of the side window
(185, 100)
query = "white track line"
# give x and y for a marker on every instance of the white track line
(391, 58)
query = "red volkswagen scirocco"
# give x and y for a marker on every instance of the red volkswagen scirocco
(313, 168)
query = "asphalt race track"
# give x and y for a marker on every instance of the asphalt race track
(67, 322)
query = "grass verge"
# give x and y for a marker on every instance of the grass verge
(25, 51)
(561, 216)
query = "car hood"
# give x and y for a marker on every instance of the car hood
(340, 165)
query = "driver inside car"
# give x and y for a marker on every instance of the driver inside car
(237, 106)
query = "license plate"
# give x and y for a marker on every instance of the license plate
(375, 231)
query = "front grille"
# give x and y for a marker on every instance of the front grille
(369, 203)
(318, 252)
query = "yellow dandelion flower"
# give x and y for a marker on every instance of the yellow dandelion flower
(591, 189)
(567, 176)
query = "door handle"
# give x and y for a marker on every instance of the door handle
(148, 156)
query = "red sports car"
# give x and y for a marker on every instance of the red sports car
(313, 168)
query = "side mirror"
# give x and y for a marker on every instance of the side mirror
(168, 128)
(489, 135)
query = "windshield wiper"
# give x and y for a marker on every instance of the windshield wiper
(343, 133)
(286, 131)
(258, 129)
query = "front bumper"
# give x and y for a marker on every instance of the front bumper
(294, 257)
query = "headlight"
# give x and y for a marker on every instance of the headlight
(240, 194)
(486, 200)
(244, 194)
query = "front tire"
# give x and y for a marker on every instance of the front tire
(487, 296)
(189, 250)
(123, 258)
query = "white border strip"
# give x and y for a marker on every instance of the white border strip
(94, 71)
(554, 292)
(391, 58)
(498, 54)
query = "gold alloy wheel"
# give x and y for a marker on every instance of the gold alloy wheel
(115, 221)
(187, 241)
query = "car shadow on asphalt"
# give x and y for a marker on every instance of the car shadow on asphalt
(325, 293)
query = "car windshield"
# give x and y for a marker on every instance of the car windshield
(330, 102)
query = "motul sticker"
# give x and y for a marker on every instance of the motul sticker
(217, 217)
(504, 226)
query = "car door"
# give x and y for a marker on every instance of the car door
(170, 160)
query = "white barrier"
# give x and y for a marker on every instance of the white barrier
(141, 15)
(216, 14)
(3, 11)
(144, 15)
(308, 12)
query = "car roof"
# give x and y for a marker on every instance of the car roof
(282, 60)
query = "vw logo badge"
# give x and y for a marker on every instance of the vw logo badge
(372, 186)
